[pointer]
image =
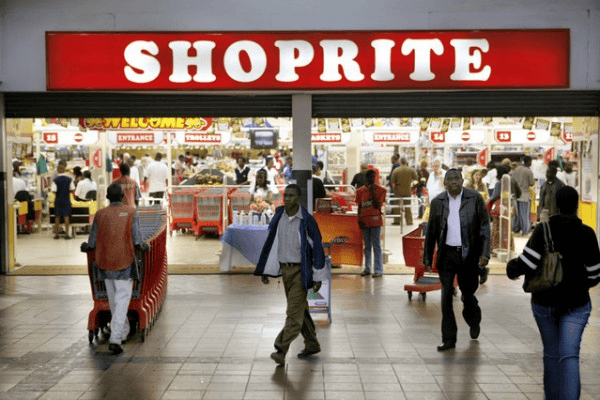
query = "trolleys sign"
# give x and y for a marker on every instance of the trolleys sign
(301, 60)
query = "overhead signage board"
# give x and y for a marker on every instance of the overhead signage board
(330, 137)
(458, 137)
(135, 137)
(160, 123)
(193, 138)
(404, 136)
(521, 136)
(69, 138)
(309, 60)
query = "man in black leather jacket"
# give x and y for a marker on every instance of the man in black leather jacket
(460, 227)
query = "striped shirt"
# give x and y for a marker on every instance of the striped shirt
(578, 246)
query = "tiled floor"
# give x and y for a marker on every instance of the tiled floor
(183, 249)
(214, 335)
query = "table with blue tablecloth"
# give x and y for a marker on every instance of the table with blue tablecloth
(242, 245)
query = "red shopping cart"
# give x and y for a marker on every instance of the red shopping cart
(181, 206)
(208, 212)
(413, 245)
(150, 279)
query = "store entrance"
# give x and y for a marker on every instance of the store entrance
(204, 195)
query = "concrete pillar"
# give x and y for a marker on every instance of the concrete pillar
(353, 154)
(4, 176)
(301, 145)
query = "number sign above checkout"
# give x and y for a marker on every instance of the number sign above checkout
(501, 136)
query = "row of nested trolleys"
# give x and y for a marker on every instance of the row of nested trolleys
(150, 281)
(208, 209)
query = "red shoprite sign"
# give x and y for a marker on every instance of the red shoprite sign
(304, 60)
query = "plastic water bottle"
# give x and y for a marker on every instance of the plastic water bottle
(242, 218)
(236, 217)
(263, 219)
(254, 218)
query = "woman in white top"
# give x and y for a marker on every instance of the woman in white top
(84, 186)
(262, 187)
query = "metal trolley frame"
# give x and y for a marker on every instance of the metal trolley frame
(150, 278)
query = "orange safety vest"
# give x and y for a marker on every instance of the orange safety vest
(370, 216)
(128, 184)
(114, 243)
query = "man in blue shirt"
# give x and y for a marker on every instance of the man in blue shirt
(293, 250)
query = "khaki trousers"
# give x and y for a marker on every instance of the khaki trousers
(298, 320)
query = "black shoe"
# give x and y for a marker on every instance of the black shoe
(483, 275)
(377, 275)
(474, 331)
(446, 346)
(278, 357)
(56, 237)
(307, 353)
(365, 273)
(115, 349)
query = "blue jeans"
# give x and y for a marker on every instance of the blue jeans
(561, 330)
(521, 221)
(371, 239)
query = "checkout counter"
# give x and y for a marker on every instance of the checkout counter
(338, 222)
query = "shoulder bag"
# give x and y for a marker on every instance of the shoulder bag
(550, 273)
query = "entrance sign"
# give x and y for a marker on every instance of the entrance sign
(403, 136)
(135, 137)
(309, 60)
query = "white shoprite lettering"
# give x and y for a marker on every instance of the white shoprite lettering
(339, 60)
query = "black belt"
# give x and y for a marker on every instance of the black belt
(289, 264)
(453, 248)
